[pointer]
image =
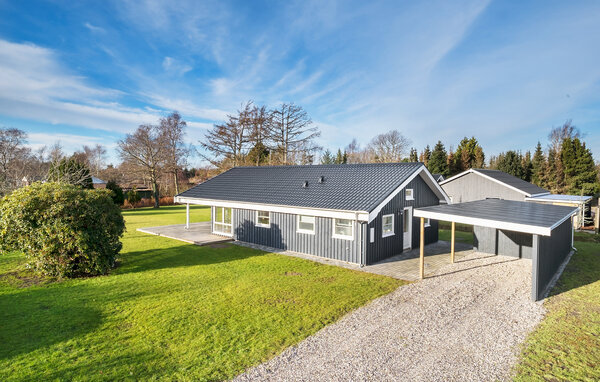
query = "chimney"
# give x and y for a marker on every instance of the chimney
(305, 184)
(321, 179)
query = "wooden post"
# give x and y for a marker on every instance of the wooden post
(422, 253)
(187, 216)
(452, 241)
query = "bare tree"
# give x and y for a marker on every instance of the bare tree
(291, 131)
(226, 142)
(144, 150)
(559, 134)
(95, 158)
(56, 152)
(13, 157)
(172, 133)
(259, 121)
(389, 147)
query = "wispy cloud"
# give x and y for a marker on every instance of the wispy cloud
(94, 28)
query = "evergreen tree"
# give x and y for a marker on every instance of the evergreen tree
(327, 158)
(413, 155)
(479, 158)
(341, 158)
(527, 166)
(438, 161)
(584, 178)
(538, 165)
(70, 171)
(511, 163)
(469, 154)
(550, 181)
(425, 156)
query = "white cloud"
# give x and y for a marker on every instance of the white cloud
(94, 28)
(174, 66)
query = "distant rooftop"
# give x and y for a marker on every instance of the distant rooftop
(529, 189)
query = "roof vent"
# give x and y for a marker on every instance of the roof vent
(305, 184)
(321, 179)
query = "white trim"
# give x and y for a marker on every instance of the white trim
(338, 214)
(474, 171)
(306, 231)
(410, 227)
(344, 237)
(433, 185)
(518, 227)
(230, 234)
(534, 198)
(576, 212)
(383, 234)
(412, 194)
(258, 224)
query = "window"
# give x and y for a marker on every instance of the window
(405, 221)
(222, 220)
(409, 194)
(427, 222)
(306, 224)
(343, 229)
(263, 219)
(387, 224)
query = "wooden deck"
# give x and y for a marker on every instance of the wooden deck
(198, 233)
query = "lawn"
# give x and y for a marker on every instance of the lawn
(460, 236)
(566, 345)
(170, 310)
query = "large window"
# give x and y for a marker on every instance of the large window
(222, 220)
(306, 224)
(263, 219)
(343, 229)
(387, 224)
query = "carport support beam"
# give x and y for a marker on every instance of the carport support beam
(452, 241)
(422, 251)
(187, 216)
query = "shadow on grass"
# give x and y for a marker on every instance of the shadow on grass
(39, 317)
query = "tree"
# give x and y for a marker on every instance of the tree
(438, 161)
(469, 154)
(171, 134)
(538, 166)
(425, 155)
(341, 157)
(95, 157)
(559, 134)
(327, 158)
(117, 192)
(579, 168)
(12, 153)
(70, 171)
(259, 119)
(291, 131)
(511, 163)
(226, 142)
(389, 147)
(413, 156)
(144, 150)
(527, 166)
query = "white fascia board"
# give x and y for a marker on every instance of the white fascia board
(432, 184)
(517, 227)
(575, 212)
(538, 195)
(550, 200)
(337, 214)
(456, 176)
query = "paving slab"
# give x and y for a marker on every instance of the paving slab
(198, 233)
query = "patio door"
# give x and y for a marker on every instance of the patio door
(407, 228)
(222, 221)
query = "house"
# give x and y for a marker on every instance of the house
(480, 184)
(358, 213)
(98, 183)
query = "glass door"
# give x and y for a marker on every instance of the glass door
(222, 221)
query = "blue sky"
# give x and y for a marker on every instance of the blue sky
(503, 71)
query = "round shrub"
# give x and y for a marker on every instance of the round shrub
(64, 230)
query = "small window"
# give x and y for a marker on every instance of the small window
(343, 229)
(263, 219)
(427, 222)
(409, 194)
(387, 224)
(306, 224)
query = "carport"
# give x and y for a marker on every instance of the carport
(541, 232)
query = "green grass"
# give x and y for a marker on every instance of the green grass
(459, 236)
(170, 310)
(566, 345)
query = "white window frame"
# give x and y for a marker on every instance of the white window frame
(307, 231)
(344, 237)
(222, 223)
(384, 234)
(427, 222)
(412, 194)
(259, 224)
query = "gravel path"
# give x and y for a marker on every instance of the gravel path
(464, 325)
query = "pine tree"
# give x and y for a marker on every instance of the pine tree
(550, 178)
(538, 166)
(340, 158)
(413, 155)
(511, 163)
(425, 156)
(585, 178)
(327, 158)
(527, 166)
(438, 161)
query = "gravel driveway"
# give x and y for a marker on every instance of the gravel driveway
(464, 325)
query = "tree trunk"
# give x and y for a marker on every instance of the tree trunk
(155, 192)
(176, 183)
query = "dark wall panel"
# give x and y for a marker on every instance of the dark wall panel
(282, 234)
(502, 242)
(553, 251)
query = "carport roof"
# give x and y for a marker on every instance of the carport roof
(534, 218)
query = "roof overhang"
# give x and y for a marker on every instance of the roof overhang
(482, 221)
(326, 213)
(573, 199)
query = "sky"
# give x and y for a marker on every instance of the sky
(505, 72)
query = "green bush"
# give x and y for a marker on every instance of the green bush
(64, 230)
(133, 196)
(71, 171)
(117, 192)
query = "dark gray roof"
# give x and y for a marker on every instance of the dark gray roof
(437, 176)
(508, 211)
(348, 187)
(526, 187)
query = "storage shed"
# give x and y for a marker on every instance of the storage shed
(540, 232)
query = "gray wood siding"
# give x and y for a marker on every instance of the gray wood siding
(384, 247)
(282, 234)
(471, 187)
(502, 242)
(553, 251)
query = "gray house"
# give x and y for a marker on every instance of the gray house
(359, 213)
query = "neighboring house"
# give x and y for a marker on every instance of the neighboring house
(98, 183)
(359, 213)
(480, 184)
(438, 177)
